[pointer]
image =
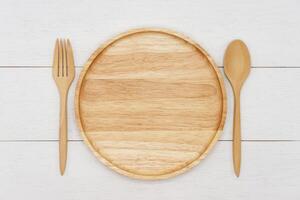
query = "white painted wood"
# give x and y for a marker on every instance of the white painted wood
(270, 98)
(269, 112)
(270, 28)
(270, 171)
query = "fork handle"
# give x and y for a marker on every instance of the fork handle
(63, 130)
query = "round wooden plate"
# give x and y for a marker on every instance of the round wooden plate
(150, 103)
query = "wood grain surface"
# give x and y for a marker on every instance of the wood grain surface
(150, 103)
(265, 105)
(29, 99)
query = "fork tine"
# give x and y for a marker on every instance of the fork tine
(55, 60)
(70, 60)
(60, 59)
(64, 57)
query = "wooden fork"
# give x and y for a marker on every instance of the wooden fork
(63, 75)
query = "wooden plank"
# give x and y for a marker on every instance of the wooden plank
(30, 170)
(29, 105)
(29, 28)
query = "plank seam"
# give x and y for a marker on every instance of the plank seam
(79, 67)
(16, 141)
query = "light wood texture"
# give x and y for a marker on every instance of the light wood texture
(265, 109)
(35, 167)
(237, 68)
(63, 75)
(150, 103)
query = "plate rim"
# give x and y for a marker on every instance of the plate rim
(107, 162)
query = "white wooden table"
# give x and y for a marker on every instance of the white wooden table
(29, 99)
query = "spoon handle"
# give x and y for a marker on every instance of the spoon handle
(237, 135)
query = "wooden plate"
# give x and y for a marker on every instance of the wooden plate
(150, 103)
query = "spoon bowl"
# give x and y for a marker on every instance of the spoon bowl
(237, 63)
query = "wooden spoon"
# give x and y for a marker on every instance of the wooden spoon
(237, 68)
